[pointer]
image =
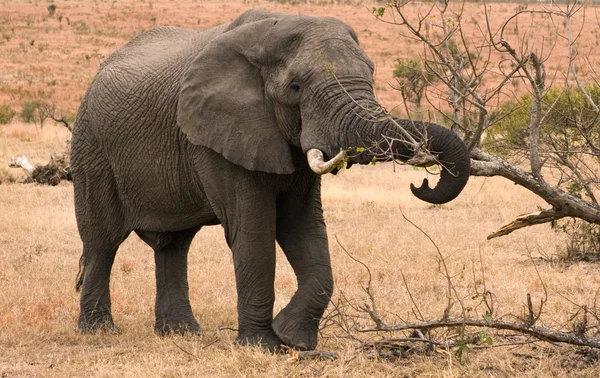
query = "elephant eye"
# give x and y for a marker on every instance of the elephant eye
(295, 87)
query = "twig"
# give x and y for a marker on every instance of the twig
(442, 262)
(185, 351)
(370, 309)
(403, 340)
(534, 318)
(412, 299)
(190, 353)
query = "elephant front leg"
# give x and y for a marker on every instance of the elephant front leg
(302, 235)
(252, 241)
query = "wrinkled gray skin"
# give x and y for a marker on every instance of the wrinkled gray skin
(182, 129)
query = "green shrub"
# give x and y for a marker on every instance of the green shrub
(28, 111)
(34, 112)
(567, 117)
(6, 113)
(79, 27)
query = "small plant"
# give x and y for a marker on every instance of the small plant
(51, 9)
(6, 113)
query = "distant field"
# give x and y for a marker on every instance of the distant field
(40, 247)
(55, 58)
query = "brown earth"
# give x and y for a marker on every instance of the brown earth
(40, 247)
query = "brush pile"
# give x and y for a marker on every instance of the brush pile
(52, 173)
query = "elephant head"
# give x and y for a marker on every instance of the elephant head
(272, 84)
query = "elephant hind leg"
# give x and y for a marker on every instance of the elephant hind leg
(173, 309)
(93, 279)
(95, 306)
(102, 228)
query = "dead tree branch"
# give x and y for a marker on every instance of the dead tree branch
(563, 204)
(22, 162)
(50, 110)
(541, 333)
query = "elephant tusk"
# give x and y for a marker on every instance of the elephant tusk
(318, 165)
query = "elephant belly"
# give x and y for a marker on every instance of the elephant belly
(160, 198)
(155, 221)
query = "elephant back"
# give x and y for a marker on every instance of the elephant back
(143, 75)
(157, 48)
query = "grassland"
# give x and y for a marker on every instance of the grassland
(40, 247)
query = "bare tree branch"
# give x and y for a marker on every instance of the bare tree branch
(526, 220)
(50, 112)
(542, 333)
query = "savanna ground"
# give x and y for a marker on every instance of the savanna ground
(41, 57)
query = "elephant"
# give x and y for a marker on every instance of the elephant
(232, 125)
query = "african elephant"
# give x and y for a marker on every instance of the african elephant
(182, 129)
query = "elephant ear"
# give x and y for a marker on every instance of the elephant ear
(222, 103)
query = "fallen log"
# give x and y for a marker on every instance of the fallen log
(22, 162)
(52, 173)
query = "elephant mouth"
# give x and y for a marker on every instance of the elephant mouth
(317, 162)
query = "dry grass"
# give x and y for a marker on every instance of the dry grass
(40, 247)
(40, 251)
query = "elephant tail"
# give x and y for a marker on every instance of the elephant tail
(80, 274)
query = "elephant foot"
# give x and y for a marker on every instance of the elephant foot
(267, 340)
(87, 325)
(166, 327)
(296, 332)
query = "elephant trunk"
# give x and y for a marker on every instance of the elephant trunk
(354, 124)
(455, 163)
(383, 141)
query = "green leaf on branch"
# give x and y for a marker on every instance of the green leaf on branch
(484, 338)
(378, 12)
